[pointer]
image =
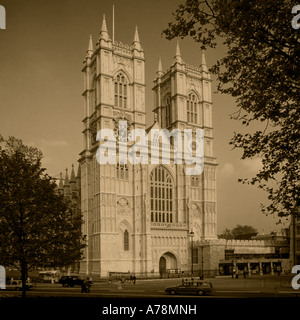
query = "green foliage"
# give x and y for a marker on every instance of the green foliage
(261, 70)
(38, 228)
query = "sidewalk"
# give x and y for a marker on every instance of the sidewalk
(270, 282)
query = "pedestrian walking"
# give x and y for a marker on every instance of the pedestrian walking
(88, 286)
(83, 286)
(134, 279)
(123, 281)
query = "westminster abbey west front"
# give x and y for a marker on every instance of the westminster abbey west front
(143, 218)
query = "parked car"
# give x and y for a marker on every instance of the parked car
(17, 285)
(70, 281)
(191, 287)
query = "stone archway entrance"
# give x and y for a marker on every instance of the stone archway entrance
(167, 261)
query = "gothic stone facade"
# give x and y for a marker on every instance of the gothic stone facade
(138, 218)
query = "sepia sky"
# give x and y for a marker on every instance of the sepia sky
(41, 55)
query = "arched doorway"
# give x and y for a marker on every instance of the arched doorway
(167, 261)
(162, 266)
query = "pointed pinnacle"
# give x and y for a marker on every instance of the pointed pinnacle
(91, 47)
(104, 27)
(159, 68)
(103, 33)
(203, 62)
(136, 44)
(61, 181)
(177, 49)
(159, 71)
(178, 57)
(136, 35)
(73, 178)
(66, 177)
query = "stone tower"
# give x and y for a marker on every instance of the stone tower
(182, 98)
(114, 79)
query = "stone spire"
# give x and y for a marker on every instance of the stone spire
(136, 40)
(159, 71)
(66, 184)
(73, 178)
(61, 185)
(136, 35)
(66, 177)
(178, 49)
(178, 57)
(90, 49)
(103, 33)
(203, 62)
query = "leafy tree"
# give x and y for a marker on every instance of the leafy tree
(226, 234)
(261, 70)
(38, 227)
(237, 231)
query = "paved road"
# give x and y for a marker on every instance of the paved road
(224, 287)
(263, 298)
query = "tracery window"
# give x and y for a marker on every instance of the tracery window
(162, 197)
(120, 91)
(192, 108)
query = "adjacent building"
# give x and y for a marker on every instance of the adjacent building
(295, 239)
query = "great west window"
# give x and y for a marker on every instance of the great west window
(161, 195)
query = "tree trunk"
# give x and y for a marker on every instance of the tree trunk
(23, 277)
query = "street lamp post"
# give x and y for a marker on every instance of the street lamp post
(202, 263)
(192, 246)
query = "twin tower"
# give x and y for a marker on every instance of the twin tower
(142, 218)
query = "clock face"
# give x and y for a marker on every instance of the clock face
(121, 129)
(123, 132)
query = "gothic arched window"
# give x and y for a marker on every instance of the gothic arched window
(126, 240)
(93, 100)
(122, 171)
(120, 91)
(168, 111)
(162, 198)
(192, 108)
